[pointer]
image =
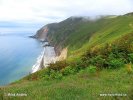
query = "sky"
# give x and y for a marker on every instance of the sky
(30, 15)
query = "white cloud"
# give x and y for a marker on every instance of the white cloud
(46, 11)
(50, 10)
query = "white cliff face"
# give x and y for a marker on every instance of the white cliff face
(48, 56)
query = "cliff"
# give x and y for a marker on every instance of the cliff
(57, 34)
(79, 34)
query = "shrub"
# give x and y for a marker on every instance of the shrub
(98, 61)
(81, 71)
(47, 71)
(46, 77)
(130, 57)
(78, 65)
(58, 65)
(51, 74)
(58, 75)
(91, 69)
(68, 70)
(55, 74)
(115, 63)
(109, 56)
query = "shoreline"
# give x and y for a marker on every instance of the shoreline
(36, 66)
(46, 57)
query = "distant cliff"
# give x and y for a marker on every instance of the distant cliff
(58, 34)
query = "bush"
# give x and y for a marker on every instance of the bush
(55, 74)
(78, 65)
(115, 63)
(58, 65)
(47, 71)
(58, 75)
(46, 77)
(98, 61)
(110, 55)
(130, 57)
(81, 71)
(51, 74)
(91, 69)
(68, 70)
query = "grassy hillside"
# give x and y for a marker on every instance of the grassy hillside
(78, 33)
(100, 61)
(83, 85)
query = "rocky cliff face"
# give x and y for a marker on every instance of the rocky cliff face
(57, 33)
(42, 33)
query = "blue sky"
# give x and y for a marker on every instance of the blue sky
(29, 15)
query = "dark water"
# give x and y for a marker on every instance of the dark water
(18, 53)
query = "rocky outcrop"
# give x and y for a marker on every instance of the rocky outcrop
(63, 55)
(42, 33)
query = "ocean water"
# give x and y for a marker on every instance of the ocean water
(18, 53)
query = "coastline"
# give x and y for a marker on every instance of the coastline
(36, 66)
(46, 57)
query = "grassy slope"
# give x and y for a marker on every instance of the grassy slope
(82, 35)
(111, 30)
(82, 86)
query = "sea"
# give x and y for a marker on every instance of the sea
(18, 53)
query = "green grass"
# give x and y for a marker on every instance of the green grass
(82, 86)
(83, 35)
(86, 84)
(79, 35)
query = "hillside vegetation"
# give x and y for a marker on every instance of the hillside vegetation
(100, 61)
(79, 33)
(81, 86)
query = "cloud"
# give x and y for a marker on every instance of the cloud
(50, 10)
(47, 11)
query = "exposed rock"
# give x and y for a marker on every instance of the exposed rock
(63, 54)
(42, 33)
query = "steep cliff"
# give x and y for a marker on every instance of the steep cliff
(58, 34)
(80, 33)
